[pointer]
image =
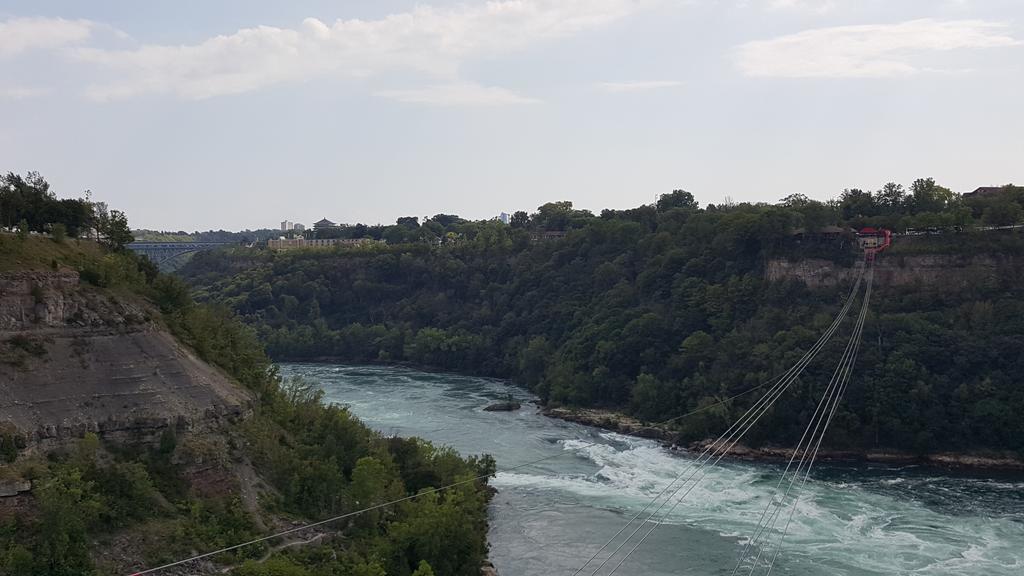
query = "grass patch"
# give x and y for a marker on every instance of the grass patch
(41, 253)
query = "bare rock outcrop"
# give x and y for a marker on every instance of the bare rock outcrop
(951, 272)
(30, 300)
(75, 359)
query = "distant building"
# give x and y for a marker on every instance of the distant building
(504, 217)
(324, 225)
(299, 227)
(291, 243)
(286, 226)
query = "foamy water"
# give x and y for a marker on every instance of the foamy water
(549, 519)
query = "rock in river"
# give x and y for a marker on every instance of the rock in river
(503, 407)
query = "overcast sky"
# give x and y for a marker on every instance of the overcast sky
(198, 114)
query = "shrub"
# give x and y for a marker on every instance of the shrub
(59, 232)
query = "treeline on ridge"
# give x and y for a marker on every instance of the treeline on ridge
(98, 507)
(659, 310)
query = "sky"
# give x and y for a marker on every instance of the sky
(235, 114)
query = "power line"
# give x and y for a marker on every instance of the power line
(827, 405)
(839, 397)
(338, 518)
(414, 496)
(524, 465)
(746, 422)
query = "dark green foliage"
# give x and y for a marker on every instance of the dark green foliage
(27, 202)
(320, 459)
(59, 232)
(661, 310)
(323, 461)
(11, 443)
(69, 506)
(111, 227)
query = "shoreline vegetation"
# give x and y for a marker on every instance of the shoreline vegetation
(622, 423)
(662, 309)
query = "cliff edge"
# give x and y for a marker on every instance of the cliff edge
(75, 358)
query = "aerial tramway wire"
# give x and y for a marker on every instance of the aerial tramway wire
(846, 366)
(745, 423)
(773, 394)
(842, 390)
(677, 501)
(731, 437)
(815, 422)
(724, 437)
(827, 405)
(333, 519)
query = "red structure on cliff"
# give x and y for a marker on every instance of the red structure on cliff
(874, 240)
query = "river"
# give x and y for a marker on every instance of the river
(548, 519)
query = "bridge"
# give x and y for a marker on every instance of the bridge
(168, 255)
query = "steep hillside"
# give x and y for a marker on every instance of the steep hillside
(137, 428)
(657, 312)
(77, 359)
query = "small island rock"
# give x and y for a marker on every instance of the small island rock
(503, 407)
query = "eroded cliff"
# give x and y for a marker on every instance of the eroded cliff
(77, 359)
(946, 271)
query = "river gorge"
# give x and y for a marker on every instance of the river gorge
(550, 518)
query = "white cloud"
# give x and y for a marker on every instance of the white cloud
(641, 86)
(871, 51)
(19, 35)
(459, 94)
(427, 40)
(22, 92)
(816, 6)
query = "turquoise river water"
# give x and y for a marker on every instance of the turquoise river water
(548, 519)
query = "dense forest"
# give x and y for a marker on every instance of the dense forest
(225, 236)
(664, 308)
(93, 496)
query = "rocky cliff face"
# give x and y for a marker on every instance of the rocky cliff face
(34, 300)
(76, 359)
(942, 271)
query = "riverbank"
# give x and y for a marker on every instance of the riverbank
(625, 424)
(545, 517)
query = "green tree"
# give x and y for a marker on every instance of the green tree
(857, 204)
(372, 484)
(114, 230)
(68, 507)
(676, 199)
(423, 569)
(651, 399)
(927, 196)
(59, 232)
(1002, 212)
(892, 196)
(698, 348)
(519, 219)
